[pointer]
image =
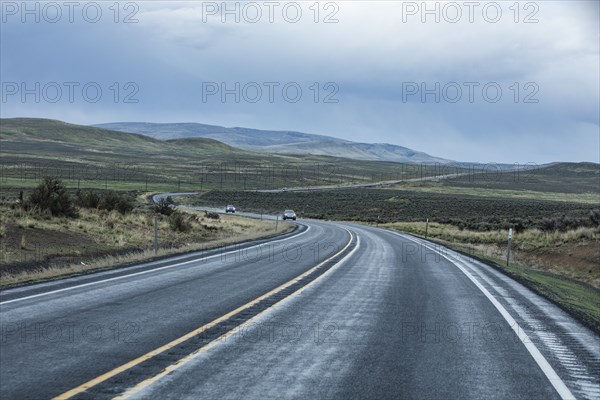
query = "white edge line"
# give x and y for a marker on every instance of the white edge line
(146, 271)
(150, 381)
(539, 358)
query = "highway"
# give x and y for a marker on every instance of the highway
(365, 185)
(330, 311)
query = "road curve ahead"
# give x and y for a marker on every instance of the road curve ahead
(334, 312)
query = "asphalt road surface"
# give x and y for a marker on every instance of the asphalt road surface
(331, 311)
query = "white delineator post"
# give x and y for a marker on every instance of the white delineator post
(510, 233)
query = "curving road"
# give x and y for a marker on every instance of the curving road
(332, 311)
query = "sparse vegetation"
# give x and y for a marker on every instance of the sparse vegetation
(164, 206)
(211, 215)
(39, 245)
(88, 199)
(112, 200)
(179, 223)
(563, 223)
(107, 200)
(572, 178)
(387, 206)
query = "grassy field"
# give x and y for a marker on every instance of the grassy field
(574, 178)
(444, 187)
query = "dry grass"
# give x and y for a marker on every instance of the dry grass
(574, 254)
(100, 240)
(528, 238)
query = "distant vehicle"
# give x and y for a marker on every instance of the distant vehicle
(230, 209)
(289, 214)
(284, 189)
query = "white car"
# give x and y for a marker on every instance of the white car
(230, 209)
(289, 214)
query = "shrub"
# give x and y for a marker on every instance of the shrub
(114, 201)
(178, 223)
(211, 215)
(164, 206)
(519, 224)
(564, 223)
(51, 195)
(87, 199)
(108, 201)
(595, 217)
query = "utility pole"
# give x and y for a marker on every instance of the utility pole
(510, 232)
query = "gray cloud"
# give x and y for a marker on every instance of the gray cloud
(370, 54)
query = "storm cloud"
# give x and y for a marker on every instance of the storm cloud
(469, 81)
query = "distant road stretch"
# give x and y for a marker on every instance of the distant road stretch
(363, 185)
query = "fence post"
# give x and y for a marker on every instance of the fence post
(155, 234)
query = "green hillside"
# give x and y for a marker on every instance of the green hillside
(93, 157)
(87, 156)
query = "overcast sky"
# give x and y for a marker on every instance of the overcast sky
(489, 82)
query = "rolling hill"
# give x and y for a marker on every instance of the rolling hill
(278, 142)
(31, 148)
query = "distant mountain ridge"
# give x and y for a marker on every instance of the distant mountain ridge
(278, 142)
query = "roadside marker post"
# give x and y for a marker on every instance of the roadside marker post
(276, 222)
(155, 234)
(510, 233)
(426, 227)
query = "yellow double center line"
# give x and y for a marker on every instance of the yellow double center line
(96, 381)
